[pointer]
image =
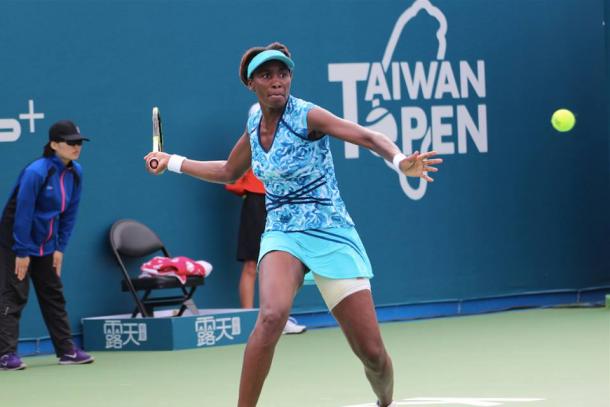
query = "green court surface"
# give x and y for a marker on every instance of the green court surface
(550, 357)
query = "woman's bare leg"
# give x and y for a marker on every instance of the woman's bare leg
(280, 276)
(357, 318)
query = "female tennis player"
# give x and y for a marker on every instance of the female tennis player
(308, 229)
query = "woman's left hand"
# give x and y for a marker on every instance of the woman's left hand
(419, 165)
(58, 258)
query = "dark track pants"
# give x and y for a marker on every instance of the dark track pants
(14, 296)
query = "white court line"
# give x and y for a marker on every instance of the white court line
(454, 401)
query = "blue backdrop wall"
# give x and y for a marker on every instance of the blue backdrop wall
(517, 207)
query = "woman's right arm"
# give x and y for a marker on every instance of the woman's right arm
(29, 188)
(222, 172)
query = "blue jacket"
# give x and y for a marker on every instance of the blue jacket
(42, 209)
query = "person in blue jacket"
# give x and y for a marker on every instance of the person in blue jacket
(35, 228)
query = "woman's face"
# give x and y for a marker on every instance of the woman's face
(271, 83)
(67, 152)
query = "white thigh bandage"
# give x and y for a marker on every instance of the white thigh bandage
(334, 290)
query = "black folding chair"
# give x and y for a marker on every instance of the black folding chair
(134, 240)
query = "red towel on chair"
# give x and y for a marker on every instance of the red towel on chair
(180, 267)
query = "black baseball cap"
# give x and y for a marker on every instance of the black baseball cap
(65, 130)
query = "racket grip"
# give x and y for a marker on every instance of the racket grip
(153, 163)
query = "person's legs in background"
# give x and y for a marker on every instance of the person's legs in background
(13, 298)
(50, 293)
(251, 227)
(247, 282)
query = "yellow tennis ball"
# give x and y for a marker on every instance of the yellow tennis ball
(563, 120)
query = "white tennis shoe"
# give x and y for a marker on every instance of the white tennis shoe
(292, 327)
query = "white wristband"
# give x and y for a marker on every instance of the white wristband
(175, 163)
(397, 159)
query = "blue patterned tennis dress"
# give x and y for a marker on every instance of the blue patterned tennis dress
(305, 213)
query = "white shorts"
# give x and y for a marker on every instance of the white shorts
(335, 290)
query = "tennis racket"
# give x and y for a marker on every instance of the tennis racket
(157, 136)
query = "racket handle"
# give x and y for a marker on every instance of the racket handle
(153, 163)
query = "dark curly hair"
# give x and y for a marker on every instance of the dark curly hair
(252, 52)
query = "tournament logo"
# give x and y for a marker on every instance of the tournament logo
(421, 104)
